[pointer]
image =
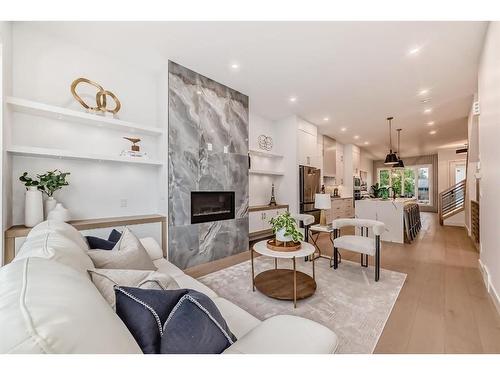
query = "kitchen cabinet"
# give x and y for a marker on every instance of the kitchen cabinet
(339, 162)
(356, 160)
(341, 208)
(307, 134)
(329, 157)
(258, 219)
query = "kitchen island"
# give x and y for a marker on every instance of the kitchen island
(388, 211)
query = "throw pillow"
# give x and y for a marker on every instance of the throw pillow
(99, 243)
(195, 326)
(143, 311)
(114, 236)
(128, 253)
(106, 279)
(173, 321)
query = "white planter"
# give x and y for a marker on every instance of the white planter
(59, 213)
(33, 207)
(280, 236)
(50, 204)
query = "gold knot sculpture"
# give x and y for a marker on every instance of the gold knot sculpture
(100, 97)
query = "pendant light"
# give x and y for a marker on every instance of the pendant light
(391, 157)
(400, 163)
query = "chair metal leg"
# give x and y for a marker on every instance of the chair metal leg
(335, 251)
(377, 258)
(364, 260)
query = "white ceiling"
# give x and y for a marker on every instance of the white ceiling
(354, 73)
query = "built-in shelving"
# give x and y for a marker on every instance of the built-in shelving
(71, 115)
(66, 154)
(271, 173)
(264, 153)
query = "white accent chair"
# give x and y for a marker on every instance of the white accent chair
(304, 221)
(360, 244)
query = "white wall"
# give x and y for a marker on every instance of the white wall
(489, 136)
(366, 165)
(473, 158)
(43, 68)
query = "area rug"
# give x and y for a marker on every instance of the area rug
(347, 300)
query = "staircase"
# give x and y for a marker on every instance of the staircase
(451, 201)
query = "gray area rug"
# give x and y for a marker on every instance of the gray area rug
(347, 300)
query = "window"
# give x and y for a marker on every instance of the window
(409, 182)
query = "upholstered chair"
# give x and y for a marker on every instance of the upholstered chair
(359, 243)
(304, 221)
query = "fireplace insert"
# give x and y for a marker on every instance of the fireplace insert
(211, 206)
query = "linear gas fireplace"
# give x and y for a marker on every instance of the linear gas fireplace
(211, 206)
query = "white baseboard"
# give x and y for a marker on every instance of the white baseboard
(489, 286)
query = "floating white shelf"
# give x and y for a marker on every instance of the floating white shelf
(66, 154)
(259, 171)
(264, 153)
(60, 113)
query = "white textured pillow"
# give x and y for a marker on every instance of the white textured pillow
(106, 279)
(128, 253)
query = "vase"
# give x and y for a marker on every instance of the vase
(59, 213)
(50, 204)
(33, 207)
(280, 236)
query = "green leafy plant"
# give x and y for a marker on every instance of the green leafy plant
(376, 190)
(28, 181)
(52, 181)
(287, 222)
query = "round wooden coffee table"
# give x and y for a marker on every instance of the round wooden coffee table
(280, 283)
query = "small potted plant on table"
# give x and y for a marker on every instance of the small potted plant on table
(286, 231)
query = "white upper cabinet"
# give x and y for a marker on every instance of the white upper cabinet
(339, 161)
(307, 144)
(356, 161)
(329, 157)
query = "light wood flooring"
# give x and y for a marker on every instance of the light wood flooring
(443, 306)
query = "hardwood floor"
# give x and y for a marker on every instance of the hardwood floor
(443, 306)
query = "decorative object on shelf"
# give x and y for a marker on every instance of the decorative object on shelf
(323, 189)
(272, 202)
(265, 142)
(135, 150)
(100, 98)
(336, 192)
(322, 202)
(375, 190)
(274, 244)
(50, 182)
(285, 228)
(49, 204)
(400, 163)
(33, 206)
(391, 158)
(59, 213)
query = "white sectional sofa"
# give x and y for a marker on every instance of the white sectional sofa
(48, 304)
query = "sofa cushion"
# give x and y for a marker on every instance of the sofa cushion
(154, 250)
(48, 307)
(144, 311)
(165, 266)
(187, 282)
(239, 321)
(286, 334)
(114, 236)
(106, 279)
(99, 243)
(128, 253)
(195, 326)
(58, 241)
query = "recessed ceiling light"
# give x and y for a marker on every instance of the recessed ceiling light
(326, 119)
(423, 92)
(432, 132)
(235, 66)
(366, 143)
(426, 100)
(413, 51)
(343, 129)
(356, 137)
(430, 123)
(293, 99)
(198, 92)
(428, 110)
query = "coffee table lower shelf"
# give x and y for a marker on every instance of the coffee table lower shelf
(278, 283)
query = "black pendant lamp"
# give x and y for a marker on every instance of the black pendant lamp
(400, 163)
(391, 157)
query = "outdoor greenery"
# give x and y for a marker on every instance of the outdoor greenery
(48, 183)
(287, 222)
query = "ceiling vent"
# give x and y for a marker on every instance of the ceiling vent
(476, 110)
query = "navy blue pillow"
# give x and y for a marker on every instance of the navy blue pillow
(114, 236)
(195, 326)
(173, 321)
(99, 243)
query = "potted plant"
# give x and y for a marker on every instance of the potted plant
(285, 228)
(33, 206)
(50, 182)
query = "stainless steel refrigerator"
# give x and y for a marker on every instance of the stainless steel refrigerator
(309, 181)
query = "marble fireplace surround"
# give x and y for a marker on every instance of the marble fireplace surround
(208, 151)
